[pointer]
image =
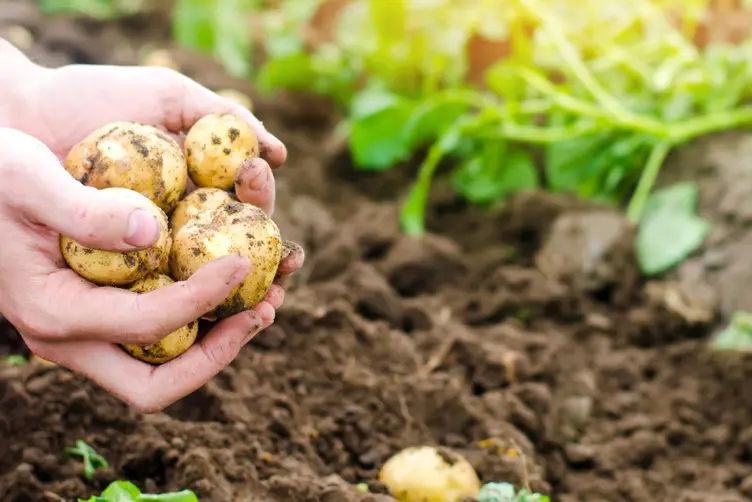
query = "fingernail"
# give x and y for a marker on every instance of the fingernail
(143, 229)
(260, 178)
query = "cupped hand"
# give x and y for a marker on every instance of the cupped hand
(68, 320)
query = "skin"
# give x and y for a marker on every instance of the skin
(66, 319)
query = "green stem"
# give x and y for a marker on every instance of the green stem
(647, 180)
(412, 215)
(700, 126)
(573, 60)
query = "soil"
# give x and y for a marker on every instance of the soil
(524, 339)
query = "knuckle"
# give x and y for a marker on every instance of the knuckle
(200, 298)
(218, 355)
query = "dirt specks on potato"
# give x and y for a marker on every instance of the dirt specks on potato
(134, 156)
(219, 145)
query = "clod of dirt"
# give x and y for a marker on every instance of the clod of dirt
(591, 252)
(417, 266)
(373, 296)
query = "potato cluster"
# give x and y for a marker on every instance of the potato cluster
(142, 163)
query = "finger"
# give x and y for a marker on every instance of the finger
(121, 316)
(186, 101)
(150, 388)
(38, 186)
(293, 257)
(255, 185)
(275, 296)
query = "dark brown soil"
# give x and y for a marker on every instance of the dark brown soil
(494, 334)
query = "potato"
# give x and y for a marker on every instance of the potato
(173, 344)
(429, 474)
(232, 228)
(215, 147)
(238, 97)
(201, 199)
(113, 268)
(164, 264)
(131, 155)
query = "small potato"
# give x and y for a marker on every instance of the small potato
(215, 147)
(201, 199)
(233, 228)
(135, 156)
(173, 344)
(164, 264)
(112, 268)
(238, 97)
(429, 474)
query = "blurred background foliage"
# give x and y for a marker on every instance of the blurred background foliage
(582, 96)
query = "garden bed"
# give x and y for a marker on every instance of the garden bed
(496, 335)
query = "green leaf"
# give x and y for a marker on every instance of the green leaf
(218, 28)
(435, 114)
(495, 173)
(125, 491)
(377, 133)
(737, 335)
(670, 230)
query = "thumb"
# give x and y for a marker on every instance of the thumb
(40, 188)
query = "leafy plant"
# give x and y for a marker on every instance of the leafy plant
(125, 491)
(737, 335)
(90, 458)
(670, 228)
(505, 492)
(16, 360)
(98, 9)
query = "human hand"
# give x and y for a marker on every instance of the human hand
(68, 320)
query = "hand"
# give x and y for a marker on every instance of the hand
(68, 320)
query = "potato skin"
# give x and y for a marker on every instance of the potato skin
(112, 268)
(215, 147)
(233, 228)
(172, 345)
(201, 199)
(429, 474)
(131, 155)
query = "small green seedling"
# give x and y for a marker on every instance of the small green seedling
(505, 492)
(125, 491)
(362, 487)
(91, 459)
(16, 360)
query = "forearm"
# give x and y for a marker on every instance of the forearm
(17, 77)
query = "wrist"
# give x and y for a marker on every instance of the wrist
(18, 75)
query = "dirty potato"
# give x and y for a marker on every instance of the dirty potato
(113, 268)
(201, 199)
(215, 147)
(429, 474)
(172, 345)
(232, 228)
(135, 156)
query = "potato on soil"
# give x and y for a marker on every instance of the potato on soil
(173, 344)
(232, 228)
(429, 474)
(201, 199)
(113, 268)
(135, 156)
(215, 147)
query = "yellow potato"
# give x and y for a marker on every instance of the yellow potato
(238, 97)
(233, 228)
(215, 147)
(112, 268)
(201, 199)
(160, 57)
(134, 156)
(429, 474)
(173, 344)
